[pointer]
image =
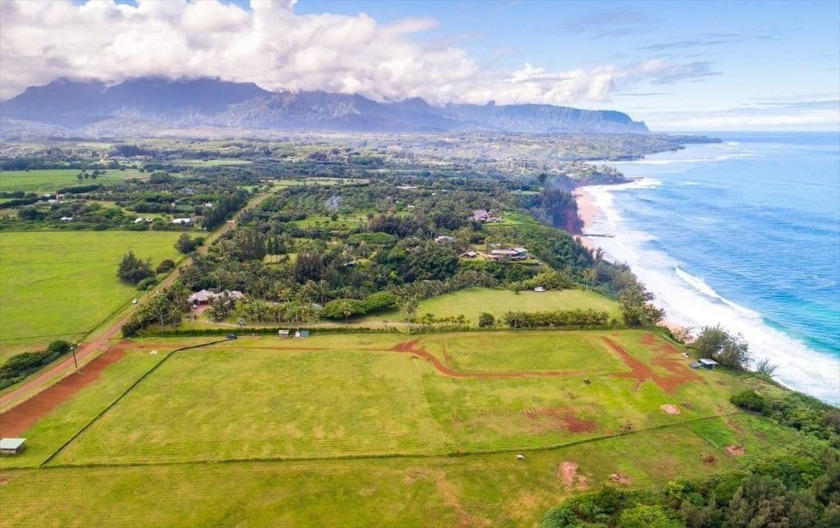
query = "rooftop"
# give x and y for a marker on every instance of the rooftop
(11, 443)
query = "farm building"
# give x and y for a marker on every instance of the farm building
(283, 334)
(182, 221)
(708, 363)
(444, 238)
(12, 446)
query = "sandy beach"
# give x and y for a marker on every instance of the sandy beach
(589, 213)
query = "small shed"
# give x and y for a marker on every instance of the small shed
(708, 364)
(300, 334)
(283, 334)
(12, 446)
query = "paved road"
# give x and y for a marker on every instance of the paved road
(87, 351)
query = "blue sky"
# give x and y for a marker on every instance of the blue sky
(677, 65)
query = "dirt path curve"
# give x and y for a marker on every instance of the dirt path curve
(408, 348)
(86, 352)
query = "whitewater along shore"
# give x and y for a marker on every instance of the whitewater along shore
(593, 216)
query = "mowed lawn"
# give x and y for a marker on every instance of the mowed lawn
(338, 396)
(51, 180)
(470, 490)
(62, 284)
(472, 302)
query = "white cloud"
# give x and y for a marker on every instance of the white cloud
(279, 50)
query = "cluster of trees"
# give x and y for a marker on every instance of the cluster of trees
(21, 365)
(800, 489)
(187, 244)
(132, 269)
(713, 342)
(347, 308)
(558, 319)
(637, 309)
(165, 308)
(260, 311)
(223, 209)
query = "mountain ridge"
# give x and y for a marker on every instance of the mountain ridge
(77, 105)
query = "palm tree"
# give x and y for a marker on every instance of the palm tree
(408, 306)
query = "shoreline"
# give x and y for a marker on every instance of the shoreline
(589, 213)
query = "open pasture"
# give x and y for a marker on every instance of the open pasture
(50, 180)
(471, 302)
(337, 396)
(308, 430)
(56, 285)
(470, 490)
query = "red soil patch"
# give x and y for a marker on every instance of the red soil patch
(648, 340)
(620, 478)
(668, 348)
(408, 348)
(670, 409)
(20, 418)
(641, 372)
(735, 450)
(565, 418)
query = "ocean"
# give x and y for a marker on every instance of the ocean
(745, 234)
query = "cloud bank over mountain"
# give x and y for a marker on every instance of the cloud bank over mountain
(278, 49)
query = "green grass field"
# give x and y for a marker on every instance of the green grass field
(60, 285)
(50, 180)
(297, 409)
(473, 301)
(273, 400)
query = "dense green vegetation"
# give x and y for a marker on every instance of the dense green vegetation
(22, 365)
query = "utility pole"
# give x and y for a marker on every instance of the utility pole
(73, 350)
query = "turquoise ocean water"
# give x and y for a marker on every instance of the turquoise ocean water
(745, 233)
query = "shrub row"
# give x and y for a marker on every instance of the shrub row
(22, 365)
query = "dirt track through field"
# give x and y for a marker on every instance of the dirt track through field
(641, 372)
(408, 348)
(20, 418)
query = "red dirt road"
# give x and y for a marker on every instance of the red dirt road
(61, 369)
(20, 418)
